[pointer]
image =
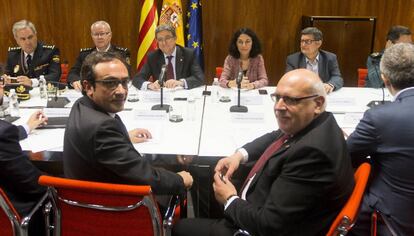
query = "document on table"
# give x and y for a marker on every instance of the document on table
(43, 140)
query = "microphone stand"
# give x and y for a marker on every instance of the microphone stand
(378, 102)
(161, 106)
(238, 107)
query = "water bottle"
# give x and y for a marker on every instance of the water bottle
(14, 104)
(215, 90)
(42, 86)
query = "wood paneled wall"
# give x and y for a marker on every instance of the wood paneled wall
(66, 23)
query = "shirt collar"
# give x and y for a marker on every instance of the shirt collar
(316, 59)
(400, 92)
(109, 46)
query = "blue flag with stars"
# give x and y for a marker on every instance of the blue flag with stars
(194, 29)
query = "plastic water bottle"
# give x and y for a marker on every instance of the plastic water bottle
(42, 86)
(14, 104)
(215, 90)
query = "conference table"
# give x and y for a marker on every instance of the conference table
(207, 132)
(208, 127)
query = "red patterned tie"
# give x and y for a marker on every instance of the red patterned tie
(170, 69)
(276, 145)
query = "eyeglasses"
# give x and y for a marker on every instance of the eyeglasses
(307, 41)
(167, 38)
(114, 83)
(100, 35)
(290, 101)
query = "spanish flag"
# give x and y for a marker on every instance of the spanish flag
(147, 25)
(172, 13)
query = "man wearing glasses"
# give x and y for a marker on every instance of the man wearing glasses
(182, 68)
(302, 175)
(323, 63)
(101, 35)
(97, 146)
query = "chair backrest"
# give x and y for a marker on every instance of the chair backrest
(362, 74)
(9, 218)
(65, 71)
(219, 70)
(346, 218)
(92, 208)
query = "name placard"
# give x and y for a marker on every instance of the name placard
(246, 100)
(56, 112)
(151, 115)
(249, 117)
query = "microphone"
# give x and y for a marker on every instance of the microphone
(162, 75)
(378, 102)
(238, 107)
(161, 106)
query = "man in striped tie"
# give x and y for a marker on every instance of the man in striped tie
(302, 175)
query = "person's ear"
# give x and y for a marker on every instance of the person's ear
(320, 104)
(87, 87)
(387, 82)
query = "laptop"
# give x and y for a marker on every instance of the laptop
(55, 123)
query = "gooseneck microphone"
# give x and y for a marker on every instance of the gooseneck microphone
(53, 100)
(238, 107)
(378, 102)
(161, 79)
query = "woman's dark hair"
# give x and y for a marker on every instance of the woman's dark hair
(256, 46)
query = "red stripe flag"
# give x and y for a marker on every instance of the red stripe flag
(146, 38)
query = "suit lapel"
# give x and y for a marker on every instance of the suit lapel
(321, 68)
(277, 154)
(302, 61)
(179, 63)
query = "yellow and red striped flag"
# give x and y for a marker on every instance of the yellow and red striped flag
(146, 37)
(172, 13)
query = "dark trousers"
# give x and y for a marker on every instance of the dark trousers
(204, 227)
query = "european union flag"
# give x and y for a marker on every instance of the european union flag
(194, 29)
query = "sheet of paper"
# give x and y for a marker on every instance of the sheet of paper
(249, 117)
(246, 100)
(56, 112)
(43, 140)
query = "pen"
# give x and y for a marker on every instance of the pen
(222, 178)
(40, 117)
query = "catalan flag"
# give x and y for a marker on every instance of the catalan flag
(172, 13)
(194, 29)
(147, 24)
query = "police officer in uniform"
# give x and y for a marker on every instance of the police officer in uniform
(31, 59)
(397, 34)
(101, 36)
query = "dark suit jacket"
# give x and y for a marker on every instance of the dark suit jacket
(46, 61)
(74, 73)
(97, 148)
(18, 176)
(186, 67)
(328, 68)
(386, 133)
(302, 187)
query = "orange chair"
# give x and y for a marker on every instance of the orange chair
(11, 223)
(92, 208)
(219, 70)
(65, 71)
(346, 218)
(362, 74)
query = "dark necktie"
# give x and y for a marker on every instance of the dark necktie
(29, 61)
(275, 146)
(170, 69)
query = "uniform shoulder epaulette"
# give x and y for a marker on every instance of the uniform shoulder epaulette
(49, 46)
(14, 49)
(121, 49)
(86, 49)
(376, 54)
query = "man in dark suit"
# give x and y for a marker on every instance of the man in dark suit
(101, 35)
(32, 59)
(301, 178)
(397, 34)
(321, 62)
(97, 146)
(182, 68)
(386, 134)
